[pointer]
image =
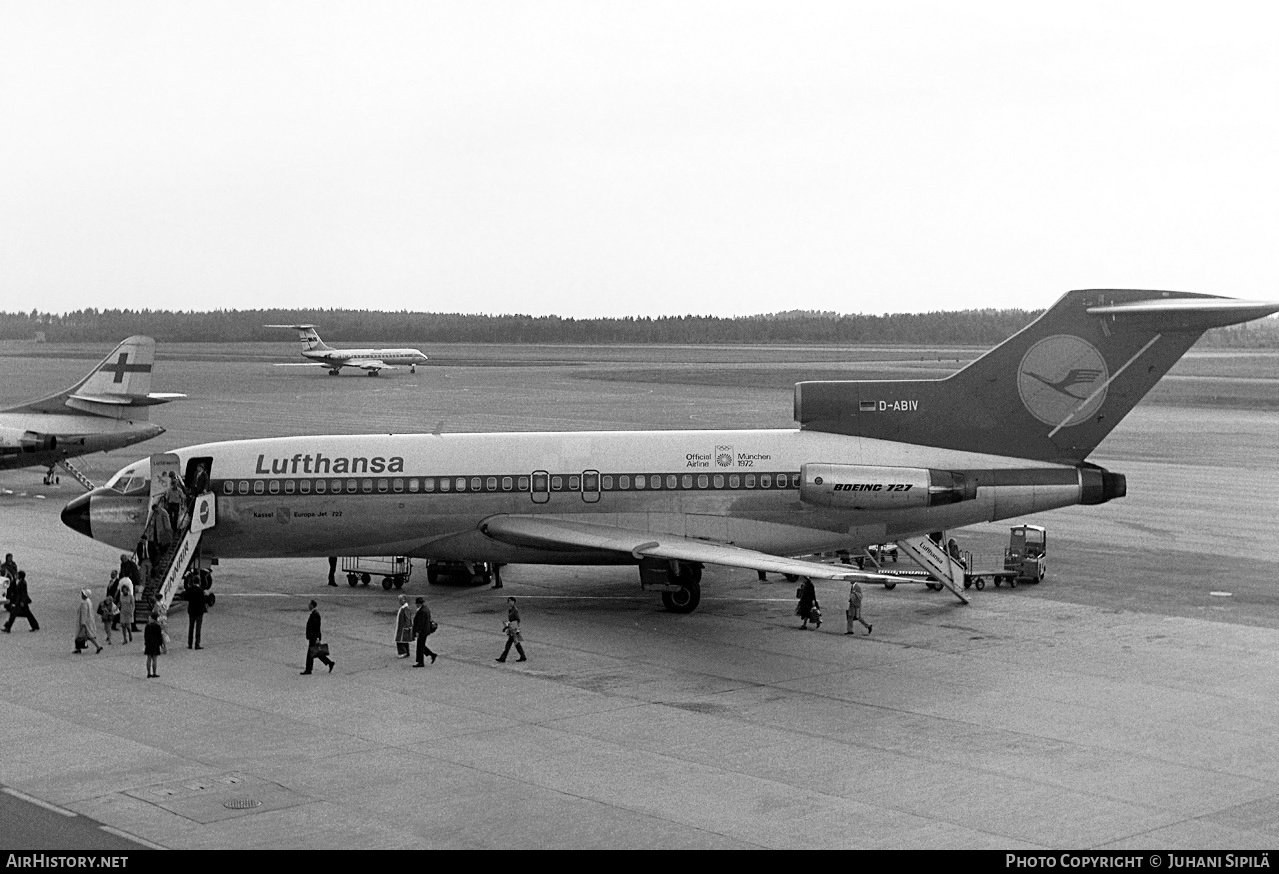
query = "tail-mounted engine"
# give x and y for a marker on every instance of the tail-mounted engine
(27, 441)
(862, 487)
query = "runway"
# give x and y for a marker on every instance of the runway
(1129, 701)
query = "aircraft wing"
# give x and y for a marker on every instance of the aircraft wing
(553, 533)
(368, 364)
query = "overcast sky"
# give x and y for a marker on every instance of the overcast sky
(633, 158)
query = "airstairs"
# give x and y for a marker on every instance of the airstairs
(172, 566)
(937, 562)
(83, 480)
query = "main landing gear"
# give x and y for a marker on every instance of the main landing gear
(679, 582)
(333, 372)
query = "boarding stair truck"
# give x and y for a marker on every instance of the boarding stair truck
(184, 564)
(944, 570)
(1025, 559)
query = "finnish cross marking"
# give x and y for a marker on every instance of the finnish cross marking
(122, 366)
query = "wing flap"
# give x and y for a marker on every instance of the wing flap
(554, 533)
(368, 364)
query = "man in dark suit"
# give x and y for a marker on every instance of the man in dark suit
(196, 607)
(20, 602)
(313, 638)
(421, 630)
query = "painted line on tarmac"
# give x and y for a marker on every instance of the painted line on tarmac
(36, 801)
(1222, 594)
(128, 837)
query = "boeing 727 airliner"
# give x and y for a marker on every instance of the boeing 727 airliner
(871, 462)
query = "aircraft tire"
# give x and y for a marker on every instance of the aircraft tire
(432, 575)
(684, 600)
(791, 578)
(890, 586)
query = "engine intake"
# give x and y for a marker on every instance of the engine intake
(863, 487)
(27, 441)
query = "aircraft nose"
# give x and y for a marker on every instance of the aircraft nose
(75, 515)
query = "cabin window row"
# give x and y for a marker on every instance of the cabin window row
(558, 483)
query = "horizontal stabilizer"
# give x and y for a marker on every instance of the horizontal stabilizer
(558, 534)
(148, 400)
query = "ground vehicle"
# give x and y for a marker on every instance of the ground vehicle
(459, 572)
(393, 569)
(1025, 559)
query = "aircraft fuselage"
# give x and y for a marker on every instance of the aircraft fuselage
(29, 439)
(428, 495)
(339, 357)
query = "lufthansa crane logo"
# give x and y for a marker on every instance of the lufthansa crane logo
(1062, 380)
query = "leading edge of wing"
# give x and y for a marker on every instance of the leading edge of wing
(553, 533)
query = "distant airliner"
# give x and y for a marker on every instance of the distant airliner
(105, 410)
(370, 360)
(872, 461)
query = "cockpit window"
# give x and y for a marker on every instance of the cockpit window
(131, 481)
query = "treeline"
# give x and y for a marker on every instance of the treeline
(983, 327)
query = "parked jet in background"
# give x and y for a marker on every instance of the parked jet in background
(872, 461)
(370, 360)
(106, 410)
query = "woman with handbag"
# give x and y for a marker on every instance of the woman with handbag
(314, 648)
(808, 608)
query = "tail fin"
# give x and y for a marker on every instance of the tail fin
(306, 333)
(1050, 392)
(118, 388)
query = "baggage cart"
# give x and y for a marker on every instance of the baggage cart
(394, 570)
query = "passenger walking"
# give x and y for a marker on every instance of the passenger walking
(512, 629)
(403, 628)
(196, 608)
(20, 602)
(174, 499)
(153, 644)
(127, 607)
(159, 531)
(129, 568)
(314, 648)
(422, 628)
(855, 608)
(9, 567)
(85, 622)
(808, 608)
(109, 613)
(113, 595)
